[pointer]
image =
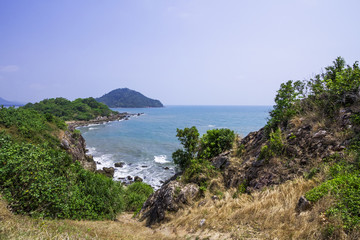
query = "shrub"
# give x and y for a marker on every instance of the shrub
(136, 194)
(274, 147)
(189, 138)
(216, 141)
(44, 182)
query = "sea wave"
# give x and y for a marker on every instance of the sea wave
(211, 126)
(161, 159)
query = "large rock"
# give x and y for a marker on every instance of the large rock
(302, 205)
(75, 145)
(119, 164)
(109, 172)
(170, 197)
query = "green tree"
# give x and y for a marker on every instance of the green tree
(287, 97)
(189, 138)
(216, 141)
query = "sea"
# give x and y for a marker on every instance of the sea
(145, 142)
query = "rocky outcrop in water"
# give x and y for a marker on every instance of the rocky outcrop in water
(101, 119)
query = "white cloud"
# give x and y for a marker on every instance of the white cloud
(9, 68)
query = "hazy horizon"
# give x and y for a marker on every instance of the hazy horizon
(200, 52)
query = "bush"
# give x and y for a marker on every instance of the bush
(136, 194)
(275, 146)
(44, 182)
(345, 189)
(216, 141)
(30, 125)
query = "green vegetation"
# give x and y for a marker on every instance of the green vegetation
(194, 158)
(44, 182)
(274, 147)
(189, 138)
(136, 194)
(38, 178)
(215, 142)
(126, 98)
(336, 87)
(79, 109)
(325, 94)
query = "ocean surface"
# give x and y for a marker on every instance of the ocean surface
(145, 143)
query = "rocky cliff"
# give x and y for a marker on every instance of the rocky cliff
(74, 144)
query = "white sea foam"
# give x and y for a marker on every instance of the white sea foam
(211, 126)
(93, 128)
(91, 150)
(160, 159)
(93, 125)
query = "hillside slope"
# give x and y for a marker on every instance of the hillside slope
(127, 98)
(297, 178)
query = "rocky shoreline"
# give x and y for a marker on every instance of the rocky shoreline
(75, 144)
(102, 119)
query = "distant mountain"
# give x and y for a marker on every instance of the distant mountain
(9, 103)
(127, 98)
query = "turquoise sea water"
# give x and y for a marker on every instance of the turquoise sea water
(145, 143)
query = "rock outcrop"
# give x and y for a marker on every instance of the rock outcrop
(100, 120)
(170, 197)
(75, 145)
(107, 171)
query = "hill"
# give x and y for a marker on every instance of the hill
(9, 103)
(127, 98)
(81, 109)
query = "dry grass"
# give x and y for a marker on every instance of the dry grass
(269, 214)
(23, 227)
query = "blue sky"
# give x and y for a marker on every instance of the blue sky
(198, 52)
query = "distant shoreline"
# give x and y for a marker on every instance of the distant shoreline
(101, 120)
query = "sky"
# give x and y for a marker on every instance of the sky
(182, 52)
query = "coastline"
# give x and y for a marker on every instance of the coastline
(101, 120)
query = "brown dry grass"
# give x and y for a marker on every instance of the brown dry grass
(269, 214)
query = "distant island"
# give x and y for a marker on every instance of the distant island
(127, 98)
(9, 103)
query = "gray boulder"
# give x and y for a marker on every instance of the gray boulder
(170, 197)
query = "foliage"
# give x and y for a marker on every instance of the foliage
(240, 189)
(216, 141)
(79, 109)
(136, 194)
(193, 159)
(189, 138)
(287, 104)
(38, 178)
(345, 188)
(199, 171)
(44, 182)
(240, 150)
(336, 87)
(126, 98)
(274, 147)
(30, 125)
(211, 144)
